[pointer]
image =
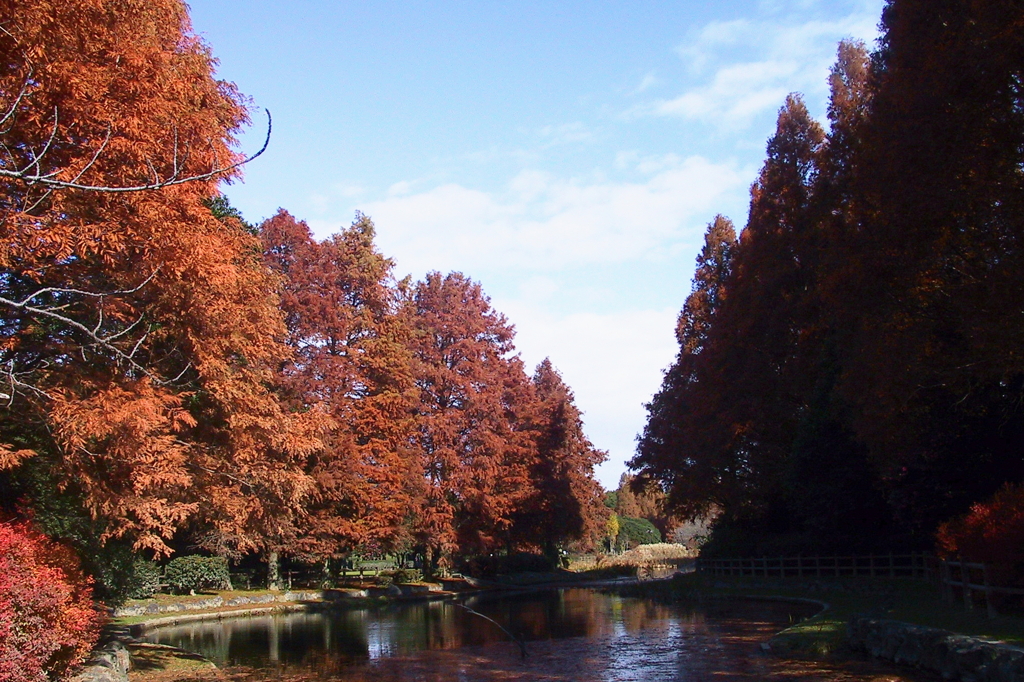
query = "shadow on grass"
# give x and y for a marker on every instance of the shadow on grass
(159, 657)
(824, 634)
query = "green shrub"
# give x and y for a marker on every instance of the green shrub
(144, 580)
(407, 575)
(633, 532)
(190, 573)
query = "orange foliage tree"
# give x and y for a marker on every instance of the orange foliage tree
(140, 333)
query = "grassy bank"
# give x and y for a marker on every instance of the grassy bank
(903, 599)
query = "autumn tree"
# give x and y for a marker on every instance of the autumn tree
(934, 368)
(862, 366)
(140, 333)
(475, 450)
(758, 332)
(351, 359)
(744, 424)
(564, 505)
(670, 452)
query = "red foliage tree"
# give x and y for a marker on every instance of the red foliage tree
(991, 532)
(47, 620)
(565, 504)
(351, 360)
(471, 427)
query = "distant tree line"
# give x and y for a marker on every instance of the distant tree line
(850, 374)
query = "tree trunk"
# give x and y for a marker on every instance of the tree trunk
(273, 571)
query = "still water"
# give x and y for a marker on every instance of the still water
(569, 634)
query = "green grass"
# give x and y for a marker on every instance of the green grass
(903, 599)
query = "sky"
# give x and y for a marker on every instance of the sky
(566, 155)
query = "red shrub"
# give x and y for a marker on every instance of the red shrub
(992, 533)
(47, 619)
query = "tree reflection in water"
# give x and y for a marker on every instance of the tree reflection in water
(571, 634)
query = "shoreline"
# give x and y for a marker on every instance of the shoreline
(177, 613)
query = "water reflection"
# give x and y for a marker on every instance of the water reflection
(572, 634)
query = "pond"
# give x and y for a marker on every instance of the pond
(569, 634)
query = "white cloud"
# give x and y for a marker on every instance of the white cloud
(543, 222)
(566, 133)
(749, 66)
(538, 289)
(400, 189)
(648, 82)
(322, 201)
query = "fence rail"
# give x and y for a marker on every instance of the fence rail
(963, 579)
(970, 579)
(915, 565)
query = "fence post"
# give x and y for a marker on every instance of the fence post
(892, 566)
(988, 592)
(945, 578)
(965, 575)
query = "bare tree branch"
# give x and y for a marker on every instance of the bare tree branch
(49, 181)
(105, 340)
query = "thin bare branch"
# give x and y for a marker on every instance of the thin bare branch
(47, 180)
(36, 158)
(64, 319)
(82, 292)
(17, 100)
(95, 156)
(106, 341)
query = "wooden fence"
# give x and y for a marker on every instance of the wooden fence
(915, 565)
(958, 579)
(971, 579)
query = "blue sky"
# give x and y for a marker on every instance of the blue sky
(566, 155)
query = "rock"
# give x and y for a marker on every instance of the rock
(107, 664)
(952, 656)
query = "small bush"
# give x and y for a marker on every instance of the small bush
(47, 620)
(407, 575)
(992, 532)
(191, 573)
(144, 580)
